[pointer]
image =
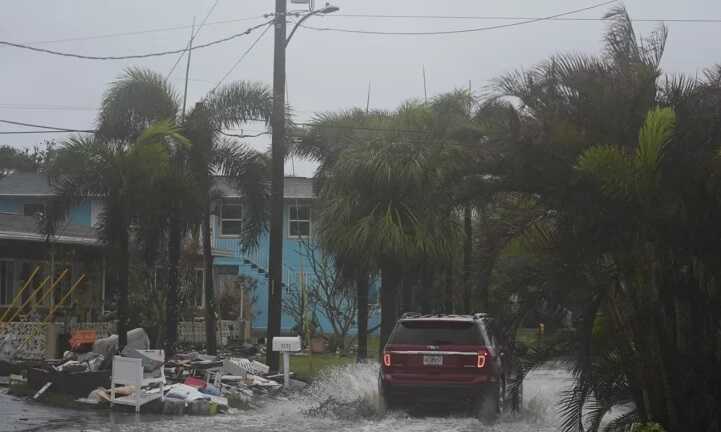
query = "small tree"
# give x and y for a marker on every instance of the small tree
(330, 290)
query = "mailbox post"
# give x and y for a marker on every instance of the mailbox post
(286, 345)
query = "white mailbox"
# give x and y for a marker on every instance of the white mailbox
(286, 344)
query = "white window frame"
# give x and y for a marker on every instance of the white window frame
(223, 203)
(291, 220)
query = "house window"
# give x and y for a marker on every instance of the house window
(231, 218)
(33, 209)
(299, 221)
(7, 271)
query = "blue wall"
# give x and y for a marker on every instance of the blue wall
(8, 205)
(254, 264)
(79, 215)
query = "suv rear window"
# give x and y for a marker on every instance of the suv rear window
(426, 332)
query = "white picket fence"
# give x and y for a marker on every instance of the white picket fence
(39, 341)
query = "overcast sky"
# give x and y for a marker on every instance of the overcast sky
(327, 71)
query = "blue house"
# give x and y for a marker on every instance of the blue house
(238, 272)
(299, 229)
(24, 251)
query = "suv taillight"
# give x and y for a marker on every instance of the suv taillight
(482, 359)
(386, 360)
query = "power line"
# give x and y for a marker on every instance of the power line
(142, 32)
(468, 30)
(40, 132)
(194, 34)
(32, 107)
(242, 56)
(137, 56)
(372, 129)
(52, 128)
(508, 18)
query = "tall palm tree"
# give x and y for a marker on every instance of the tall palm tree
(632, 220)
(140, 97)
(122, 174)
(383, 203)
(323, 142)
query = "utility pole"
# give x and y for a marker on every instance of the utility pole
(187, 68)
(278, 147)
(275, 273)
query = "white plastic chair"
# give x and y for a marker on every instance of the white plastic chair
(129, 371)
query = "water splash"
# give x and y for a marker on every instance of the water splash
(349, 394)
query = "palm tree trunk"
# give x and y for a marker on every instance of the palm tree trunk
(390, 284)
(210, 326)
(467, 256)
(362, 294)
(426, 288)
(122, 270)
(171, 299)
(449, 287)
(407, 293)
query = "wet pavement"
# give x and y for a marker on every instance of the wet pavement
(354, 390)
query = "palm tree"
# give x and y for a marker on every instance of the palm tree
(383, 204)
(122, 174)
(632, 197)
(323, 142)
(141, 97)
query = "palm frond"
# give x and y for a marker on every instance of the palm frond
(135, 101)
(239, 102)
(248, 171)
(652, 140)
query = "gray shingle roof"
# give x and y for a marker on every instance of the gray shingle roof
(25, 184)
(34, 184)
(19, 227)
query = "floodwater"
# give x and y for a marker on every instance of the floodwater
(347, 399)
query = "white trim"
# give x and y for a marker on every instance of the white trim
(309, 221)
(26, 195)
(14, 235)
(238, 203)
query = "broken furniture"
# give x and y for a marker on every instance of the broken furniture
(129, 371)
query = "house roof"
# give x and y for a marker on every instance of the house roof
(293, 188)
(19, 227)
(37, 184)
(19, 183)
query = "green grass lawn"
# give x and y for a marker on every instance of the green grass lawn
(308, 367)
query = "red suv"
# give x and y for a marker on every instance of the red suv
(448, 357)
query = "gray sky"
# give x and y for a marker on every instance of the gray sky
(327, 71)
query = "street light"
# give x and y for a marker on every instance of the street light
(278, 147)
(328, 9)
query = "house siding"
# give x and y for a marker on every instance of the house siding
(254, 264)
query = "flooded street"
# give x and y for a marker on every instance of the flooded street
(351, 393)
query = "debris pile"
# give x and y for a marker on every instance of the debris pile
(95, 372)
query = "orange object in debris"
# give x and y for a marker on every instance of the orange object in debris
(82, 337)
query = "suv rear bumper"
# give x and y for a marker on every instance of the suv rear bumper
(408, 383)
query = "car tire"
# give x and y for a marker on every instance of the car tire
(489, 404)
(515, 398)
(384, 400)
